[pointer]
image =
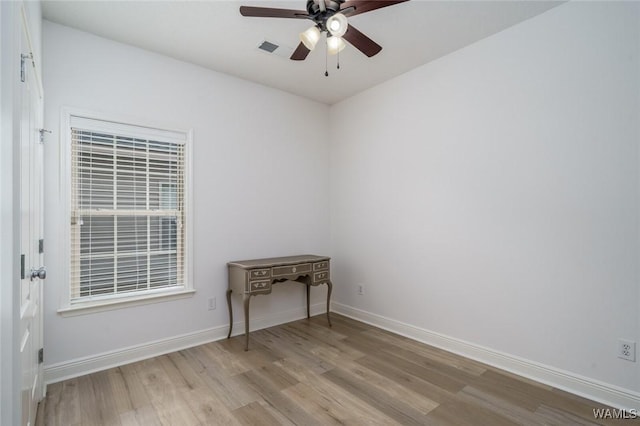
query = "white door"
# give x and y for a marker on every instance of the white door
(30, 235)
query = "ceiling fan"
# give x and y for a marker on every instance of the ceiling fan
(329, 16)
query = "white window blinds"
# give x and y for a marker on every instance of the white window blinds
(127, 210)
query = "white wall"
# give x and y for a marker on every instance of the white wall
(260, 183)
(492, 195)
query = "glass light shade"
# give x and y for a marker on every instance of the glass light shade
(335, 45)
(310, 37)
(337, 25)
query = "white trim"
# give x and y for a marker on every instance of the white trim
(90, 364)
(188, 207)
(123, 301)
(10, 364)
(126, 128)
(117, 118)
(561, 379)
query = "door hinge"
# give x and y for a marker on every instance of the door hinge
(22, 71)
(42, 132)
(41, 356)
(41, 246)
(22, 259)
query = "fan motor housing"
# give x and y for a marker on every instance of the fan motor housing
(332, 6)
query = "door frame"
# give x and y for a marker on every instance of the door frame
(13, 16)
(10, 27)
(30, 194)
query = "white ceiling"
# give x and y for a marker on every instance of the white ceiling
(214, 35)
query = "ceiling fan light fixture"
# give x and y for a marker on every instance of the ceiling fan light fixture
(335, 45)
(337, 25)
(310, 37)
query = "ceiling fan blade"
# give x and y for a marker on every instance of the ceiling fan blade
(269, 12)
(301, 52)
(361, 41)
(362, 6)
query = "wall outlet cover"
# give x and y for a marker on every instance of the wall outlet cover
(627, 350)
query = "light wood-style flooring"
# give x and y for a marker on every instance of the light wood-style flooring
(305, 373)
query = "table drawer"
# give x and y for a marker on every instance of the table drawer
(278, 271)
(320, 276)
(259, 273)
(259, 286)
(321, 266)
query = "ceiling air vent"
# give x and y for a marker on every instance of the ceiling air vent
(267, 46)
(275, 48)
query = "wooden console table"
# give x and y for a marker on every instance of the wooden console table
(253, 277)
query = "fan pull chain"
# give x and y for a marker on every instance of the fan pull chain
(326, 58)
(338, 66)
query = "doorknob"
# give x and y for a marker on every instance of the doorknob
(38, 273)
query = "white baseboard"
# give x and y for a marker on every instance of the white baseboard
(78, 367)
(583, 386)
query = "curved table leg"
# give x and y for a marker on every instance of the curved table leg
(328, 301)
(246, 298)
(230, 312)
(308, 294)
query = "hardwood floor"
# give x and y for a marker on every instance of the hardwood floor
(305, 373)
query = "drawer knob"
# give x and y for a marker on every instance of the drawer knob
(294, 269)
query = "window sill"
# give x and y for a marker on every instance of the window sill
(109, 305)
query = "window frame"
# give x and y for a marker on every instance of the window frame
(66, 307)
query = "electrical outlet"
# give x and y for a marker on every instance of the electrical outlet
(211, 303)
(361, 289)
(627, 350)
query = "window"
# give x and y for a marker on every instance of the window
(128, 212)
